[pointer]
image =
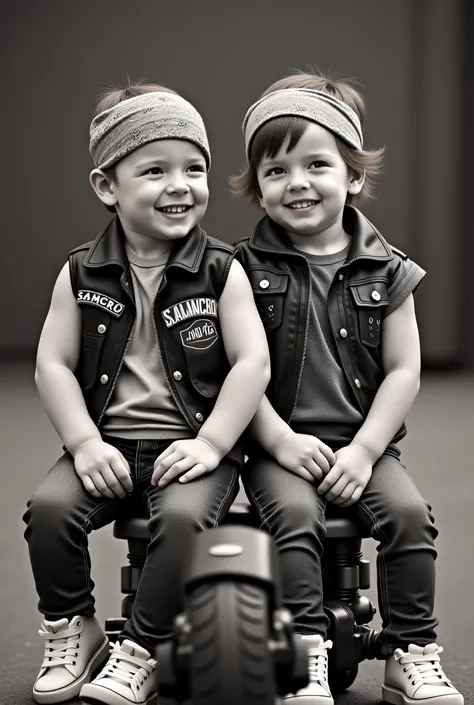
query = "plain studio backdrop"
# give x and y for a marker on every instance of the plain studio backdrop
(412, 59)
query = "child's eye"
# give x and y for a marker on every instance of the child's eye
(318, 164)
(197, 167)
(274, 171)
(154, 170)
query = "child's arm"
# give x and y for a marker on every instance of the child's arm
(350, 474)
(247, 351)
(102, 469)
(302, 454)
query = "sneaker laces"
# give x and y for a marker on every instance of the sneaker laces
(61, 647)
(423, 667)
(318, 663)
(126, 668)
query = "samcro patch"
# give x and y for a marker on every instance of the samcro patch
(189, 309)
(200, 335)
(95, 298)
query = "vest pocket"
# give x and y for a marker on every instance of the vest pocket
(89, 361)
(205, 356)
(370, 299)
(269, 289)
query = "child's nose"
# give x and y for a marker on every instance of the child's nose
(298, 181)
(177, 184)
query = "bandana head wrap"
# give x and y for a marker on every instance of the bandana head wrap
(136, 121)
(316, 106)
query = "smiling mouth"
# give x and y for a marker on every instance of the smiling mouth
(302, 205)
(174, 210)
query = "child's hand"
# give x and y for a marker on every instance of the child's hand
(348, 477)
(304, 455)
(103, 470)
(193, 456)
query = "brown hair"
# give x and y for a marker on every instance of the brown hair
(113, 96)
(270, 137)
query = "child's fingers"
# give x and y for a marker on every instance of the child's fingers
(328, 453)
(89, 486)
(101, 485)
(304, 473)
(122, 469)
(176, 469)
(321, 462)
(113, 482)
(356, 495)
(337, 489)
(345, 496)
(168, 451)
(195, 472)
(331, 478)
(313, 467)
(162, 466)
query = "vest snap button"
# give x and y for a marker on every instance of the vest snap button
(343, 333)
(104, 379)
(101, 328)
(264, 284)
(375, 295)
(357, 383)
(199, 417)
(177, 375)
(341, 277)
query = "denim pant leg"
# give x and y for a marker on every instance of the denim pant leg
(292, 511)
(395, 513)
(177, 512)
(59, 517)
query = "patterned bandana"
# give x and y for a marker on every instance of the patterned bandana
(317, 106)
(134, 122)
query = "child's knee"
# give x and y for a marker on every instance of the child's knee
(300, 513)
(45, 509)
(178, 518)
(412, 522)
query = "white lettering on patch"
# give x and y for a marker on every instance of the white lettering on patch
(188, 309)
(200, 335)
(95, 298)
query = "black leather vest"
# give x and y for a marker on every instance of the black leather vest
(186, 319)
(280, 279)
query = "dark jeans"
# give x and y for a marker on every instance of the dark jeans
(61, 514)
(395, 514)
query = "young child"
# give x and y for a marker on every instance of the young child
(337, 304)
(151, 363)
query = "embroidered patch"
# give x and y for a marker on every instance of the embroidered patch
(188, 309)
(95, 298)
(200, 335)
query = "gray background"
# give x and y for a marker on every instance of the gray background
(413, 58)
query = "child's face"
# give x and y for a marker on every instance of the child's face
(305, 190)
(161, 189)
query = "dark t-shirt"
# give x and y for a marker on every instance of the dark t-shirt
(326, 406)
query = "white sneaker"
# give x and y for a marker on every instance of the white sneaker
(73, 651)
(128, 677)
(415, 676)
(317, 692)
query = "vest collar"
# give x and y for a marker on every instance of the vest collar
(366, 242)
(108, 249)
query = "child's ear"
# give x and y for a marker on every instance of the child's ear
(102, 185)
(356, 183)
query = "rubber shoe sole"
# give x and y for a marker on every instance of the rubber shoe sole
(394, 696)
(96, 694)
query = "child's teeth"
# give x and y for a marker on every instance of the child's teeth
(304, 204)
